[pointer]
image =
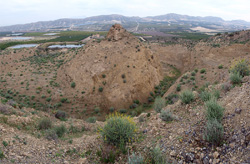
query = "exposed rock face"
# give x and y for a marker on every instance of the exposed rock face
(117, 32)
(114, 72)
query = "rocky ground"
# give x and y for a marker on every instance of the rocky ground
(181, 140)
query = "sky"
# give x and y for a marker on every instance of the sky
(28, 11)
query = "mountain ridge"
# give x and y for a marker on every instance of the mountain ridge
(71, 23)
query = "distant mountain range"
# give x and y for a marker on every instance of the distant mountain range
(103, 22)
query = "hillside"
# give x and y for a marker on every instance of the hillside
(121, 99)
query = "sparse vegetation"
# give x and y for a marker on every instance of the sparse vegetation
(187, 96)
(166, 115)
(159, 104)
(91, 120)
(214, 110)
(45, 123)
(235, 78)
(135, 159)
(73, 85)
(214, 132)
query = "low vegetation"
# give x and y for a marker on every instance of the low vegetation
(187, 96)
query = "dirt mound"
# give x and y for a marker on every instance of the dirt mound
(113, 72)
(117, 32)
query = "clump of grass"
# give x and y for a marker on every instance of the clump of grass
(60, 130)
(214, 132)
(135, 159)
(159, 104)
(119, 129)
(178, 88)
(73, 85)
(214, 110)
(91, 120)
(187, 96)
(220, 66)
(203, 70)
(157, 156)
(235, 78)
(45, 123)
(166, 115)
(205, 96)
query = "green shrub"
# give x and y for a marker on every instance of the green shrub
(119, 130)
(157, 156)
(63, 100)
(220, 66)
(171, 98)
(2, 156)
(214, 110)
(123, 110)
(60, 130)
(235, 78)
(166, 115)
(187, 96)
(48, 99)
(111, 109)
(205, 96)
(91, 120)
(216, 94)
(214, 132)
(103, 75)
(159, 104)
(135, 159)
(51, 134)
(203, 70)
(178, 88)
(100, 89)
(73, 85)
(97, 109)
(5, 144)
(45, 123)
(193, 73)
(240, 66)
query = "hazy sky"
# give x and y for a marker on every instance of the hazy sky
(26, 11)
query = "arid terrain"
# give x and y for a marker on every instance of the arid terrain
(54, 103)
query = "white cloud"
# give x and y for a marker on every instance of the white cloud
(24, 11)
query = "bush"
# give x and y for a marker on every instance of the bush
(214, 132)
(97, 109)
(45, 123)
(48, 99)
(123, 110)
(157, 157)
(51, 134)
(235, 78)
(216, 94)
(60, 130)
(119, 129)
(111, 109)
(178, 88)
(63, 100)
(203, 70)
(172, 98)
(60, 115)
(220, 66)
(205, 96)
(100, 89)
(193, 73)
(73, 85)
(159, 104)
(240, 66)
(2, 156)
(187, 96)
(135, 159)
(166, 115)
(91, 120)
(214, 110)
